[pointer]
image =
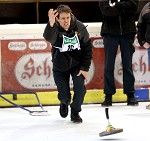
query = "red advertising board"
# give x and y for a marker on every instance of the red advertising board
(26, 65)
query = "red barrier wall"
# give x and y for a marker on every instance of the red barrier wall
(26, 65)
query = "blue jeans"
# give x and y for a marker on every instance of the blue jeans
(62, 80)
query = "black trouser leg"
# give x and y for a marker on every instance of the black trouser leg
(110, 49)
(127, 50)
(62, 82)
(79, 90)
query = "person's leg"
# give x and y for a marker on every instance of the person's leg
(110, 50)
(149, 59)
(62, 82)
(79, 93)
(127, 50)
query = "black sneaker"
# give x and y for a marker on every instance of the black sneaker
(108, 101)
(63, 110)
(132, 102)
(76, 118)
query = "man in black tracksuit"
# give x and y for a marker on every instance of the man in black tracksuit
(71, 55)
(118, 29)
(143, 33)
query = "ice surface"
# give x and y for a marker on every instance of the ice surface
(18, 125)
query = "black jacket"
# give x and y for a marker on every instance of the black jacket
(66, 60)
(143, 25)
(118, 19)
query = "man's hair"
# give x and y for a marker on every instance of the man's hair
(63, 8)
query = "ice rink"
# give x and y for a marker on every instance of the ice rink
(18, 125)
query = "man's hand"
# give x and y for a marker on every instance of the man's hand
(146, 45)
(84, 73)
(52, 14)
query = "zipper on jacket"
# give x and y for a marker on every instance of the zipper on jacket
(120, 25)
(120, 22)
(70, 62)
(55, 54)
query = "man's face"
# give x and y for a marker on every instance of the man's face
(64, 20)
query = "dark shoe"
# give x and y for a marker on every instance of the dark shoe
(108, 101)
(63, 110)
(76, 118)
(132, 102)
(148, 106)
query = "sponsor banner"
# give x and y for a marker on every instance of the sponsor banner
(140, 65)
(26, 66)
